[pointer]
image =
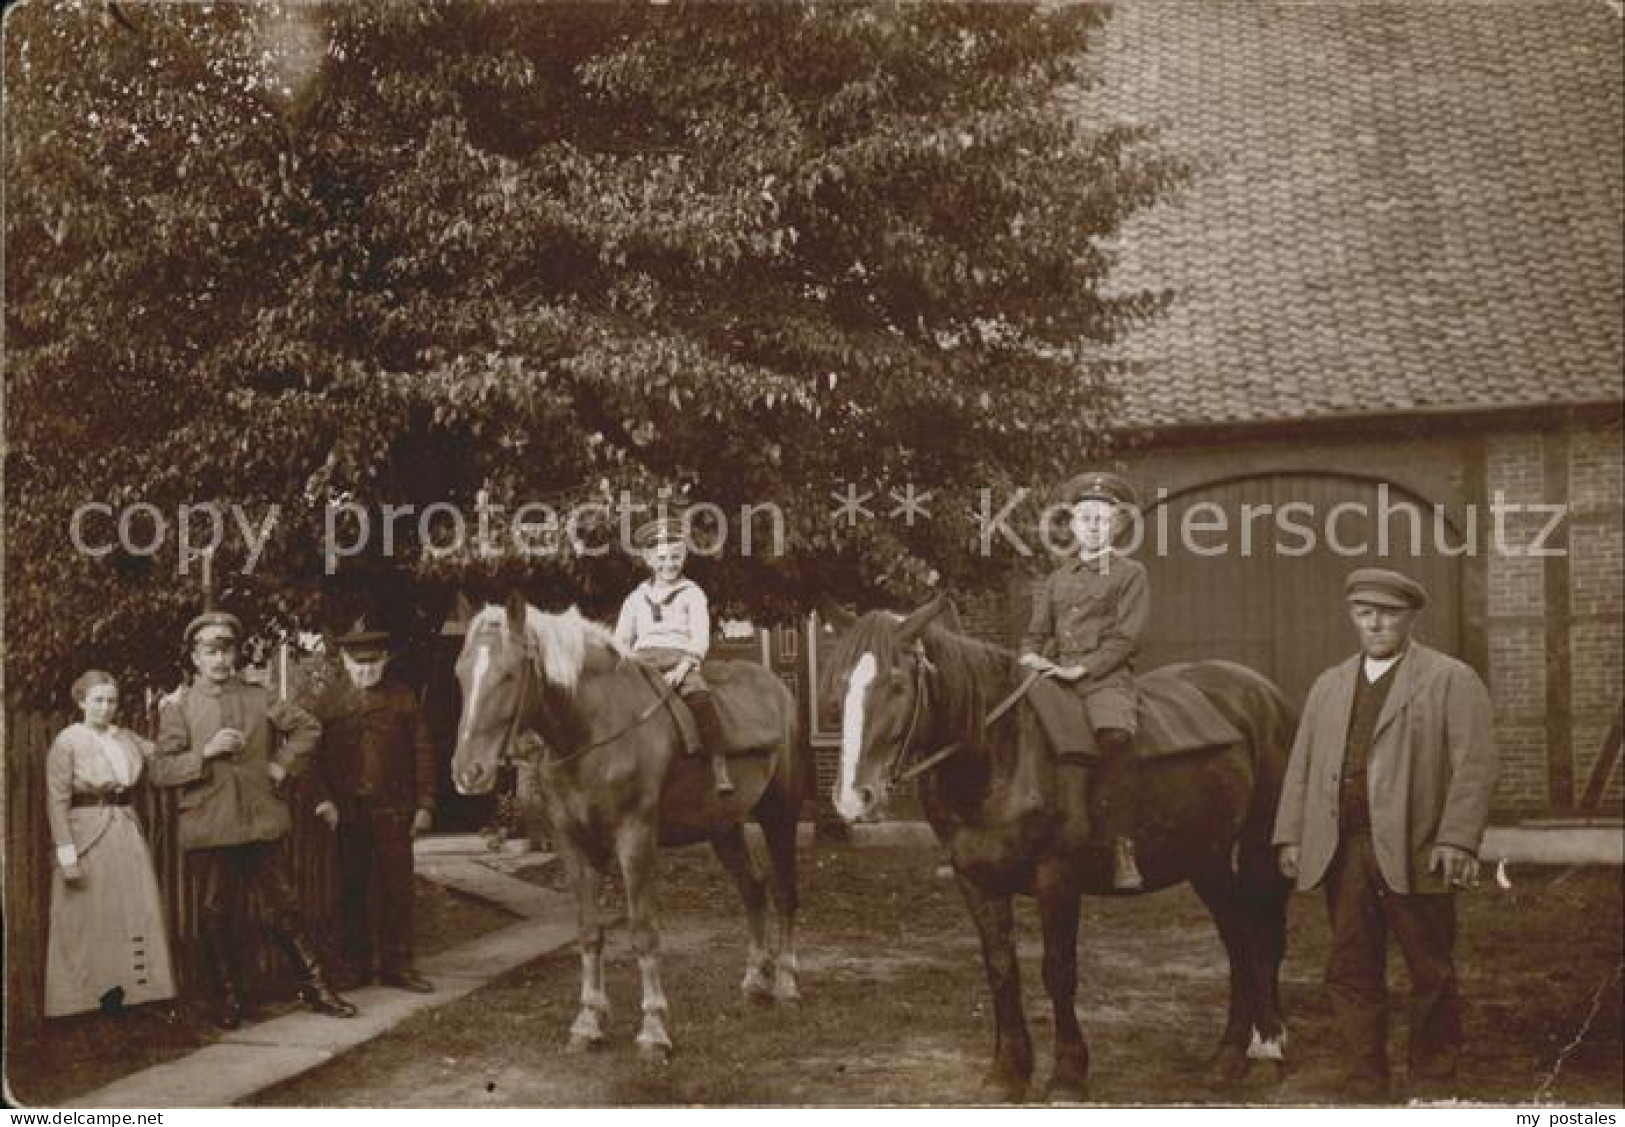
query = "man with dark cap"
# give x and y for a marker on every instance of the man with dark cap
(216, 744)
(374, 783)
(1385, 802)
(1086, 622)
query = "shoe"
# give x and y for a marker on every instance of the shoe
(228, 1009)
(317, 995)
(1435, 1072)
(719, 774)
(1125, 873)
(1435, 1063)
(1365, 1088)
(408, 980)
(320, 998)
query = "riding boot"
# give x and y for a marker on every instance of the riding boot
(1072, 774)
(221, 952)
(1117, 806)
(710, 724)
(313, 988)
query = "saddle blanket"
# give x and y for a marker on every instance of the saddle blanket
(1174, 717)
(751, 720)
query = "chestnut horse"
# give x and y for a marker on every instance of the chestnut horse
(920, 700)
(603, 731)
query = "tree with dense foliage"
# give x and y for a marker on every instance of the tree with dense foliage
(295, 255)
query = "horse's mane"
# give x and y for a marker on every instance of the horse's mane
(562, 640)
(971, 675)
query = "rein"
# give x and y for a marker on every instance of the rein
(901, 770)
(548, 759)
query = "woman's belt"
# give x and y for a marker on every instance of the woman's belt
(111, 798)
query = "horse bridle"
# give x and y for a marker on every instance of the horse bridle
(901, 770)
(528, 669)
(505, 751)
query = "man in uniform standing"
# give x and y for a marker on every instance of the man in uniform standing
(375, 784)
(215, 743)
(1385, 801)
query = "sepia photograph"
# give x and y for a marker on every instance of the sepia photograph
(644, 554)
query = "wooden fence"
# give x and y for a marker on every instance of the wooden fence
(29, 855)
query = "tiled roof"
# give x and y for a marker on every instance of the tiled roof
(1403, 206)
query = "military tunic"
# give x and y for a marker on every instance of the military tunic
(229, 800)
(1092, 613)
(232, 817)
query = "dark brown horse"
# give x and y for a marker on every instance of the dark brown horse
(603, 732)
(916, 700)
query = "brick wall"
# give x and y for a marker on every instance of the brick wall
(1514, 472)
(1521, 632)
(1597, 600)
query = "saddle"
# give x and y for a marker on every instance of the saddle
(1174, 717)
(750, 722)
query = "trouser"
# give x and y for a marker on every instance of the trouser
(1363, 910)
(695, 692)
(375, 889)
(229, 874)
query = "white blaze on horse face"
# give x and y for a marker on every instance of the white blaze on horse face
(857, 691)
(482, 662)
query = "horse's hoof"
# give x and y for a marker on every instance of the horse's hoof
(581, 1043)
(756, 988)
(998, 1088)
(1066, 1090)
(654, 1052)
(1268, 1073)
(1229, 1064)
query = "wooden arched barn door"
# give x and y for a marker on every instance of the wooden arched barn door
(1252, 569)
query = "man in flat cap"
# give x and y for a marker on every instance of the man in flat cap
(374, 783)
(1385, 801)
(217, 744)
(1086, 622)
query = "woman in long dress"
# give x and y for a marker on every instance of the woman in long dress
(107, 947)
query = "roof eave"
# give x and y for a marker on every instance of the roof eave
(1408, 422)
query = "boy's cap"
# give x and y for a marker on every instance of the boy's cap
(664, 530)
(1098, 485)
(212, 625)
(1380, 587)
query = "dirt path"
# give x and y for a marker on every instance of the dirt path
(895, 1008)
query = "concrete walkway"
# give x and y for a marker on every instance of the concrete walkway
(253, 1058)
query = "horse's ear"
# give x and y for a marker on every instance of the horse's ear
(950, 617)
(517, 610)
(834, 614)
(914, 625)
